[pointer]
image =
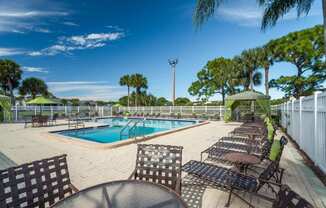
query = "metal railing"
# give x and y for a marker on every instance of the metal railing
(20, 113)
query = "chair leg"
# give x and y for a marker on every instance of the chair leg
(229, 199)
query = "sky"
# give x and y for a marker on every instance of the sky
(82, 48)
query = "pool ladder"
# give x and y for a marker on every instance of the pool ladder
(132, 129)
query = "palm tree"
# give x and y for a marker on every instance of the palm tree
(250, 63)
(10, 75)
(274, 10)
(139, 82)
(265, 61)
(126, 81)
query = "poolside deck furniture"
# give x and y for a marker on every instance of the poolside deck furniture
(40, 121)
(37, 184)
(218, 150)
(159, 164)
(232, 181)
(242, 160)
(123, 194)
(75, 123)
(286, 197)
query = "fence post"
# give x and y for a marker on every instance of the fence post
(51, 109)
(111, 110)
(317, 148)
(292, 119)
(77, 109)
(220, 112)
(151, 110)
(300, 122)
(35, 110)
(206, 109)
(16, 113)
(193, 109)
(170, 109)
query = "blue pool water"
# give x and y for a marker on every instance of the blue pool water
(111, 132)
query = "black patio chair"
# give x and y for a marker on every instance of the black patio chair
(218, 150)
(37, 184)
(287, 198)
(159, 164)
(217, 155)
(233, 181)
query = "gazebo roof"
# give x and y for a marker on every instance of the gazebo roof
(248, 95)
(42, 101)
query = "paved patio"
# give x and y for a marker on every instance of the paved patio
(90, 166)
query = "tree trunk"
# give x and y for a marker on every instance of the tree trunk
(128, 95)
(11, 93)
(324, 14)
(223, 96)
(251, 77)
(266, 80)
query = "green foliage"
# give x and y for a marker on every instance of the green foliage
(75, 101)
(182, 101)
(305, 50)
(161, 101)
(139, 82)
(278, 101)
(10, 75)
(218, 76)
(248, 63)
(33, 86)
(126, 81)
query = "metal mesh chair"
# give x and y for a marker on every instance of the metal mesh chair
(229, 179)
(37, 184)
(286, 197)
(159, 164)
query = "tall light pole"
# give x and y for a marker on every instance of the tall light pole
(173, 63)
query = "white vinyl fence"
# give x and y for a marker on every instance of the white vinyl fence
(20, 113)
(305, 121)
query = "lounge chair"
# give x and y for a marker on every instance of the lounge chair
(232, 180)
(218, 152)
(159, 164)
(286, 197)
(37, 184)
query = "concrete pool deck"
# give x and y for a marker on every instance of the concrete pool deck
(88, 166)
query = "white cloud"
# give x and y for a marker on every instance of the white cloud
(10, 51)
(114, 27)
(68, 23)
(34, 69)
(86, 90)
(25, 16)
(29, 14)
(78, 42)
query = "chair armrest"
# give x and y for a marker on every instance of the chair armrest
(132, 175)
(178, 186)
(73, 188)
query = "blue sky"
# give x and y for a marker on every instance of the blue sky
(81, 48)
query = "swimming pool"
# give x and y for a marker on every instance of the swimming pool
(117, 129)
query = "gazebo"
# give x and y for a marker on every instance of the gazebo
(233, 101)
(5, 108)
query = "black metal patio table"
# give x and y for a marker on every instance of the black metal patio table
(123, 194)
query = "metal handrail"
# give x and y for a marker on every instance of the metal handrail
(135, 125)
(121, 131)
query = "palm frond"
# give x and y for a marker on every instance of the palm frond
(276, 9)
(204, 10)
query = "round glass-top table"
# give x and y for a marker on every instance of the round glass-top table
(123, 194)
